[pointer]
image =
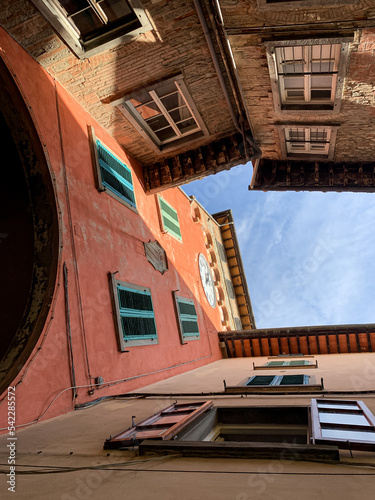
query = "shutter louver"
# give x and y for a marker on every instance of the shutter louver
(116, 176)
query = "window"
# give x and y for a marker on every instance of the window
(89, 26)
(230, 289)
(308, 141)
(221, 250)
(302, 141)
(169, 219)
(298, 363)
(307, 74)
(276, 383)
(293, 4)
(165, 114)
(238, 323)
(134, 314)
(347, 424)
(187, 318)
(112, 174)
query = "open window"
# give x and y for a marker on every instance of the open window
(91, 26)
(164, 114)
(133, 314)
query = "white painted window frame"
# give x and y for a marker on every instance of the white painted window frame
(306, 107)
(132, 115)
(66, 29)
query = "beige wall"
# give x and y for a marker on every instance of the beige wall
(76, 440)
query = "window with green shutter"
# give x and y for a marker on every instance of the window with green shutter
(187, 318)
(115, 176)
(169, 219)
(298, 363)
(134, 314)
(262, 380)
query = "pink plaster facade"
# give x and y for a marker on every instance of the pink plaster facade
(99, 235)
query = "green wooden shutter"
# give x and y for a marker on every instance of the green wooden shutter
(116, 176)
(188, 318)
(170, 219)
(137, 313)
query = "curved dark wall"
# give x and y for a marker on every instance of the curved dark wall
(29, 232)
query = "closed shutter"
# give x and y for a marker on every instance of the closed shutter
(230, 289)
(170, 219)
(278, 380)
(137, 314)
(221, 250)
(115, 175)
(187, 318)
(163, 425)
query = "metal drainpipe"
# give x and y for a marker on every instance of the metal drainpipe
(248, 136)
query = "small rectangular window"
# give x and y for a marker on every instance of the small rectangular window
(187, 318)
(299, 363)
(308, 141)
(276, 383)
(169, 219)
(134, 314)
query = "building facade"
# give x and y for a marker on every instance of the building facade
(102, 283)
(306, 70)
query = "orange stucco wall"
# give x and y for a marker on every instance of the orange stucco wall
(100, 235)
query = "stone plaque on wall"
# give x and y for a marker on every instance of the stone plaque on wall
(156, 255)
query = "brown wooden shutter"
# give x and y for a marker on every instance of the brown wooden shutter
(163, 425)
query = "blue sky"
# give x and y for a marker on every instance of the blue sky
(308, 257)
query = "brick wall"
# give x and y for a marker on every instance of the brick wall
(176, 45)
(356, 136)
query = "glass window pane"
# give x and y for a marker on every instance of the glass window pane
(180, 114)
(321, 94)
(321, 82)
(342, 418)
(166, 134)
(166, 89)
(172, 101)
(338, 406)
(157, 122)
(87, 21)
(294, 83)
(348, 435)
(148, 110)
(187, 126)
(115, 9)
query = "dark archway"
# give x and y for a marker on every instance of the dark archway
(29, 232)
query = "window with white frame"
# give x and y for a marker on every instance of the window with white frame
(164, 114)
(308, 141)
(308, 74)
(88, 26)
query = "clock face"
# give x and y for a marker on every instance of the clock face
(207, 280)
